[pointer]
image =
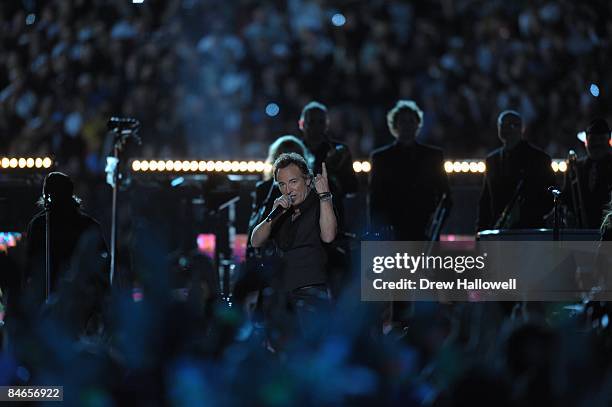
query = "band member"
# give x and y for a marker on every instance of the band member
(265, 190)
(314, 123)
(593, 184)
(79, 279)
(307, 220)
(515, 188)
(407, 179)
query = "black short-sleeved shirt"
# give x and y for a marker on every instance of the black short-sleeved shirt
(299, 242)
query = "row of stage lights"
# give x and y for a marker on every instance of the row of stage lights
(25, 162)
(217, 166)
(475, 166)
(199, 166)
(451, 167)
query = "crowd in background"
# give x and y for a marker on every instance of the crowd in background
(216, 79)
(223, 79)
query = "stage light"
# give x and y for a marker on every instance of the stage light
(594, 90)
(30, 162)
(357, 166)
(251, 166)
(473, 167)
(185, 166)
(144, 165)
(202, 166)
(161, 165)
(448, 166)
(227, 166)
(482, 167)
(272, 109)
(21, 162)
(267, 167)
(581, 136)
(153, 165)
(177, 165)
(38, 162)
(193, 166)
(457, 166)
(13, 163)
(555, 166)
(562, 166)
(136, 165)
(5, 162)
(465, 166)
(170, 165)
(210, 166)
(235, 166)
(338, 20)
(243, 167)
(218, 166)
(259, 166)
(46, 162)
(366, 166)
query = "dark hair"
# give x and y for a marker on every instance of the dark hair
(314, 105)
(508, 113)
(400, 106)
(59, 186)
(286, 144)
(598, 126)
(286, 159)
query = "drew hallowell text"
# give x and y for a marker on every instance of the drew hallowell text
(459, 284)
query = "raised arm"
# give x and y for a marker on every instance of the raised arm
(327, 218)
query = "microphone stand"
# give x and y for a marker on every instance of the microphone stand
(123, 131)
(556, 224)
(47, 201)
(505, 215)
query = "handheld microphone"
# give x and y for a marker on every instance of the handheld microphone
(276, 212)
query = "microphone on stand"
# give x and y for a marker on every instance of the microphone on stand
(127, 127)
(122, 123)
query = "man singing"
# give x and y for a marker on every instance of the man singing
(306, 221)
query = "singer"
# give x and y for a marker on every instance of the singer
(301, 221)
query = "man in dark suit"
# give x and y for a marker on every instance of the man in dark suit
(594, 178)
(407, 179)
(515, 188)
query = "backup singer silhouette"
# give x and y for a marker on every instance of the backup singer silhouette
(516, 182)
(79, 266)
(407, 179)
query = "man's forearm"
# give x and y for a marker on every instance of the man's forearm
(261, 233)
(327, 221)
